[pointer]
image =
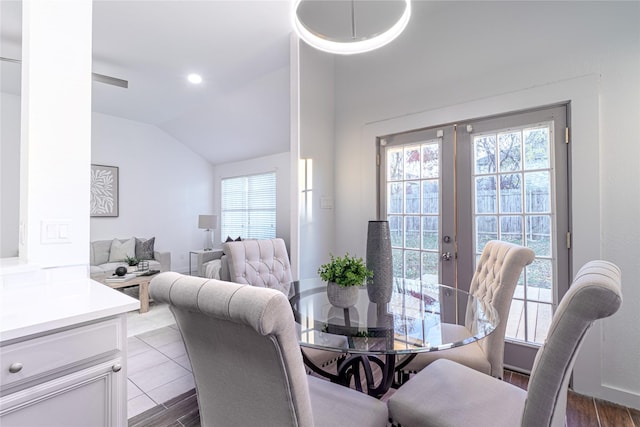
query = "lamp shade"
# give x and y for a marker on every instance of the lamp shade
(207, 222)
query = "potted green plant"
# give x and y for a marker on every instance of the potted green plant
(344, 276)
(131, 262)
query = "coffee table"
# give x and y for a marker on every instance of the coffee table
(143, 283)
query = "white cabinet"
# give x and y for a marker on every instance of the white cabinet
(71, 377)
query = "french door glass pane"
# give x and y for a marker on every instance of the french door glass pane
(538, 189)
(430, 232)
(510, 154)
(486, 229)
(486, 197)
(430, 267)
(412, 264)
(430, 196)
(536, 148)
(511, 229)
(485, 154)
(430, 160)
(396, 230)
(412, 197)
(539, 319)
(412, 162)
(538, 230)
(539, 279)
(395, 198)
(412, 232)
(394, 162)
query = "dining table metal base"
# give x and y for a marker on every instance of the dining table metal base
(357, 369)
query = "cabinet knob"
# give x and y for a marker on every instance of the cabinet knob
(116, 368)
(15, 367)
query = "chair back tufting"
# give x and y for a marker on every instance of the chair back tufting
(263, 263)
(494, 283)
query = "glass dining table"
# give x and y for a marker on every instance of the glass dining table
(374, 341)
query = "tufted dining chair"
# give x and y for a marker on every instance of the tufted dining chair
(265, 263)
(493, 283)
(446, 393)
(246, 361)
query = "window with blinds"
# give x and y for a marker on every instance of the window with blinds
(249, 207)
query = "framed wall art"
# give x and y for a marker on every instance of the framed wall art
(104, 191)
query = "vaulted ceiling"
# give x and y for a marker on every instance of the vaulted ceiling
(241, 49)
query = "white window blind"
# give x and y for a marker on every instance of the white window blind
(249, 207)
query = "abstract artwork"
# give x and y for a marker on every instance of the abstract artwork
(104, 190)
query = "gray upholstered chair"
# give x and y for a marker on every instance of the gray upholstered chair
(262, 263)
(446, 393)
(265, 263)
(246, 361)
(494, 282)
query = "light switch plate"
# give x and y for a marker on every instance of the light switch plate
(326, 203)
(55, 231)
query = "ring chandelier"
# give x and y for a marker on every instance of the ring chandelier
(355, 44)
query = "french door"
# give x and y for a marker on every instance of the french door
(448, 190)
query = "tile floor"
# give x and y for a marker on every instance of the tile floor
(157, 363)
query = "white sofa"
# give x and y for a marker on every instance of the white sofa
(102, 267)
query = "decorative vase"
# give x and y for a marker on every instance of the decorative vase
(379, 260)
(121, 271)
(342, 297)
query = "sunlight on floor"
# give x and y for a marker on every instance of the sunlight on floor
(157, 317)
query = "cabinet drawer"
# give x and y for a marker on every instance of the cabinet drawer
(47, 354)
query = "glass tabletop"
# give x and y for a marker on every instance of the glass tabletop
(420, 317)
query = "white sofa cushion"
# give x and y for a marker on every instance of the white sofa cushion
(122, 250)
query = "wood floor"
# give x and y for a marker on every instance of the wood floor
(582, 411)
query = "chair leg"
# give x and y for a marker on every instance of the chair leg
(401, 378)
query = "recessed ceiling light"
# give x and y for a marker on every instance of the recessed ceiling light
(194, 78)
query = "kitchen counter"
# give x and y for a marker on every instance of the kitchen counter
(35, 301)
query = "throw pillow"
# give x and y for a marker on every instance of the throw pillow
(144, 248)
(121, 250)
(212, 269)
(239, 239)
(229, 239)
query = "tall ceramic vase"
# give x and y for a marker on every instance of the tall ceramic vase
(379, 260)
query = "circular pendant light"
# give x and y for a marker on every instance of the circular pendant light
(347, 27)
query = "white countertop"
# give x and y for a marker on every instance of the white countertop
(39, 301)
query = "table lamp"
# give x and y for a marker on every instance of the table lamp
(208, 223)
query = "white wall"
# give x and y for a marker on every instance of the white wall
(9, 174)
(278, 163)
(163, 186)
(317, 130)
(461, 58)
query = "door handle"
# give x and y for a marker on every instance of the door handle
(446, 256)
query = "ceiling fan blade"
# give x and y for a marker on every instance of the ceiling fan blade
(95, 76)
(109, 80)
